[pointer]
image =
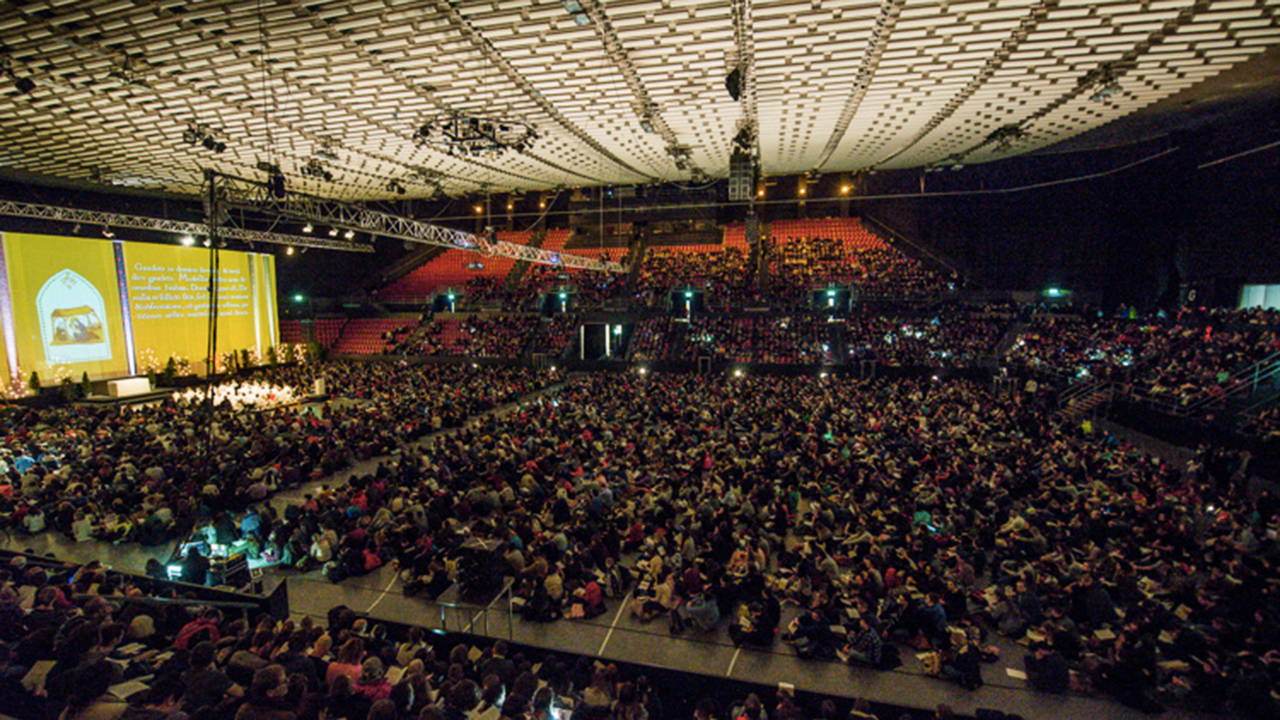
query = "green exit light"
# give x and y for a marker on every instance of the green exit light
(299, 298)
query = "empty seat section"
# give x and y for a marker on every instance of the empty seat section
(371, 336)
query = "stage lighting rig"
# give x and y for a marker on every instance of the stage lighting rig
(1005, 136)
(197, 134)
(394, 186)
(1102, 83)
(316, 169)
(473, 135)
(275, 179)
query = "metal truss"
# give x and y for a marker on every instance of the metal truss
(138, 222)
(252, 196)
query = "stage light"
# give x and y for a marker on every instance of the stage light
(349, 235)
(737, 372)
(206, 242)
(316, 169)
(299, 297)
(107, 233)
(333, 232)
(288, 250)
(479, 209)
(844, 189)
(188, 241)
(307, 228)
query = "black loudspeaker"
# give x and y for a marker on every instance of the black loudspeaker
(277, 186)
(733, 83)
(742, 177)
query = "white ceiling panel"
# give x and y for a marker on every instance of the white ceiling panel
(836, 85)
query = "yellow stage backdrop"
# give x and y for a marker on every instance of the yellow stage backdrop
(66, 307)
(62, 314)
(169, 302)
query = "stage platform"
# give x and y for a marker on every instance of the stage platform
(159, 394)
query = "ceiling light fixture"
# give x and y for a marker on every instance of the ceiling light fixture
(316, 169)
(465, 134)
(197, 134)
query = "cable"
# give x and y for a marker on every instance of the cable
(1241, 154)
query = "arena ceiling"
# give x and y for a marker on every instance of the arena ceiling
(621, 92)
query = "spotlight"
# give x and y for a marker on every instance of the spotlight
(333, 232)
(307, 228)
(206, 242)
(187, 240)
(349, 235)
(289, 251)
(106, 232)
(737, 373)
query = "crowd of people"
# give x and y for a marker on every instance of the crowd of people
(84, 643)
(483, 336)
(1181, 359)
(149, 473)
(788, 340)
(949, 339)
(907, 513)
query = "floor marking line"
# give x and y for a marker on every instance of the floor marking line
(385, 590)
(733, 662)
(616, 617)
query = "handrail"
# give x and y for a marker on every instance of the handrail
(880, 225)
(1259, 371)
